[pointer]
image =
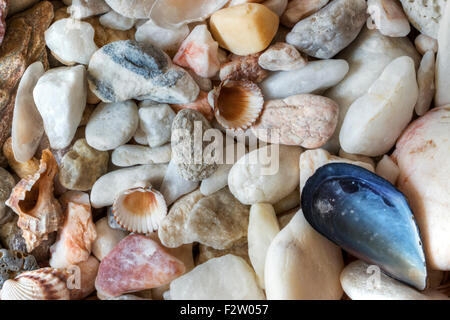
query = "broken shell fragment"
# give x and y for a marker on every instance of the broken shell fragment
(33, 200)
(237, 104)
(139, 209)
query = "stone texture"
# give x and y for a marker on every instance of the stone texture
(388, 17)
(282, 57)
(107, 238)
(296, 10)
(81, 166)
(425, 43)
(388, 169)
(15, 6)
(81, 9)
(329, 30)
(425, 80)
(139, 9)
(218, 220)
(289, 202)
(425, 16)
(116, 21)
(239, 249)
(442, 96)
(3, 13)
(243, 68)
(22, 169)
(156, 121)
(129, 155)
(88, 272)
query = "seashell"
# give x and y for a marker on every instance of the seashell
(40, 284)
(368, 217)
(33, 200)
(236, 104)
(139, 209)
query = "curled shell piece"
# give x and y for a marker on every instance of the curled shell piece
(236, 104)
(40, 284)
(33, 200)
(139, 209)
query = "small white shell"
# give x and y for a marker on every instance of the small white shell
(139, 209)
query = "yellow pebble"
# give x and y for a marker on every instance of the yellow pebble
(244, 29)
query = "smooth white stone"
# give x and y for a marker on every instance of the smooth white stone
(262, 229)
(107, 238)
(267, 174)
(225, 278)
(442, 96)
(314, 77)
(167, 39)
(27, 126)
(216, 181)
(277, 6)
(425, 80)
(156, 121)
(139, 9)
(106, 188)
(388, 17)
(116, 21)
(375, 121)
(362, 281)
(174, 186)
(425, 43)
(71, 40)
(81, 9)
(129, 155)
(112, 124)
(302, 265)
(60, 96)
(289, 202)
(387, 169)
(140, 136)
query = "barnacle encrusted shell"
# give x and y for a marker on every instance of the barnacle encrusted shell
(33, 200)
(40, 284)
(139, 209)
(237, 104)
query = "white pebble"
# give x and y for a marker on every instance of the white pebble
(107, 238)
(442, 96)
(425, 43)
(388, 17)
(387, 169)
(167, 39)
(425, 80)
(130, 155)
(156, 121)
(81, 9)
(116, 21)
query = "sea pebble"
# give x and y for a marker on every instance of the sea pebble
(240, 249)
(316, 76)
(277, 6)
(80, 9)
(27, 127)
(243, 68)
(22, 169)
(136, 263)
(289, 202)
(356, 157)
(61, 112)
(167, 39)
(425, 80)
(374, 121)
(71, 41)
(129, 155)
(425, 43)
(425, 16)
(302, 265)
(218, 220)
(244, 29)
(81, 166)
(421, 154)
(362, 281)
(367, 57)
(174, 186)
(442, 96)
(108, 186)
(302, 120)
(296, 10)
(116, 21)
(201, 105)
(267, 174)
(112, 125)
(87, 270)
(282, 57)
(262, 229)
(155, 120)
(140, 136)
(7, 183)
(138, 9)
(387, 169)
(199, 52)
(124, 70)
(187, 127)
(107, 238)
(329, 30)
(224, 278)
(388, 17)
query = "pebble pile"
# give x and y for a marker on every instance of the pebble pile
(224, 149)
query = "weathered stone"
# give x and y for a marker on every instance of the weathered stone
(239, 249)
(282, 57)
(107, 238)
(129, 155)
(425, 16)
(277, 6)
(243, 68)
(13, 263)
(329, 30)
(296, 10)
(425, 43)
(156, 121)
(218, 220)
(388, 17)
(139, 9)
(82, 166)
(116, 21)
(88, 273)
(81, 9)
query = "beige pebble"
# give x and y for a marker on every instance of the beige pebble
(299, 9)
(287, 203)
(240, 249)
(356, 157)
(425, 43)
(387, 169)
(107, 238)
(425, 80)
(282, 57)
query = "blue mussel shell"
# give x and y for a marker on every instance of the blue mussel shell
(368, 217)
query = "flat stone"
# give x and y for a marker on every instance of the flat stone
(116, 21)
(316, 76)
(107, 238)
(425, 16)
(61, 113)
(129, 155)
(155, 120)
(442, 96)
(112, 125)
(146, 72)
(329, 30)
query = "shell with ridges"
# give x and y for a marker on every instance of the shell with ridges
(236, 104)
(41, 284)
(33, 200)
(139, 209)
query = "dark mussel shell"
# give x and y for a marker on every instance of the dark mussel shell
(368, 217)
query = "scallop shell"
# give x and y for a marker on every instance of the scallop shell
(139, 209)
(237, 104)
(33, 200)
(40, 284)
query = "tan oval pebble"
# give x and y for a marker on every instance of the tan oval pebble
(306, 120)
(282, 57)
(425, 43)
